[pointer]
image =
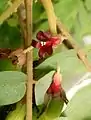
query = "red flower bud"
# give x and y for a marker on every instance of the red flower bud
(55, 86)
(56, 89)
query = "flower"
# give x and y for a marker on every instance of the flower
(45, 43)
(56, 89)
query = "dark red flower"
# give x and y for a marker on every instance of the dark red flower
(45, 43)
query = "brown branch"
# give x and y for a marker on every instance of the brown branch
(28, 6)
(73, 43)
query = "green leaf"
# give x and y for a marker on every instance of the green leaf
(6, 65)
(9, 36)
(12, 86)
(67, 11)
(18, 113)
(82, 22)
(55, 1)
(37, 11)
(71, 67)
(4, 4)
(35, 54)
(62, 118)
(42, 86)
(54, 108)
(13, 21)
(41, 25)
(80, 105)
(88, 4)
(35, 114)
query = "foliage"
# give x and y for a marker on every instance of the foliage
(76, 16)
(12, 83)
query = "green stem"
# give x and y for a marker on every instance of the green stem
(51, 15)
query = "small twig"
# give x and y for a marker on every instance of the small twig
(28, 6)
(10, 10)
(27, 49)
(79, 51)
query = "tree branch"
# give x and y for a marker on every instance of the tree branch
(28, 6)
(74, 45)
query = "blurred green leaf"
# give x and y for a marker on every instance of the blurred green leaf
(41, 25)
(13, 21)
(35, 114)
(12, 87)
(4, 4)
(88, 4)
(37, 11)
(66, 10)
(62, 118)
(55, 1)
(82, 23)
(9, 36)
(54, 108)
(42, 86)
(18, 113)
(69, 63)
(35, 54)
(80, 106)
(6, 65)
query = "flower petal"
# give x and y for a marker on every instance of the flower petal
(47, 34)
(55, 41)
(40, 36)
(45, 50)
(43, 36)
(36, 44)
(49, 50)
